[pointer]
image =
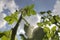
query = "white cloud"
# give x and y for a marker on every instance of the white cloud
(2, 21)
(11, 5)
(56, 10)
(6, 4)
(1, 6)
(32, 20)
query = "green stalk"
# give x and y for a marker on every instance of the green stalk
(25, 21)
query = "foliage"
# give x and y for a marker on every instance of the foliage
(6, 35)
(13, 17)
(28, 10)
(41, 33)
(49, 20)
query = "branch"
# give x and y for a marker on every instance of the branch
(14, 30)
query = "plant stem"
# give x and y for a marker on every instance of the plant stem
(25, 21)
(14, 30)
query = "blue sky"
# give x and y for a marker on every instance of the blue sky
(40, 5)
(9, 6)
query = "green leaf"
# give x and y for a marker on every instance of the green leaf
(8, 33)
(1, 34)
(9, 19)
(28, 13)
(49, 12)
(53, 28)
(47, 22)
(55, 37)
(46, 29)
(31, 6)
(33, 12)
(13, 17)
(57, 18)
(48, 35)
(5, 38)
(40, 24)
(42, 17)
(28, 10)
(59, 30)
(52, 33)
(52, 20)
(42, 12)
(45, 37)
